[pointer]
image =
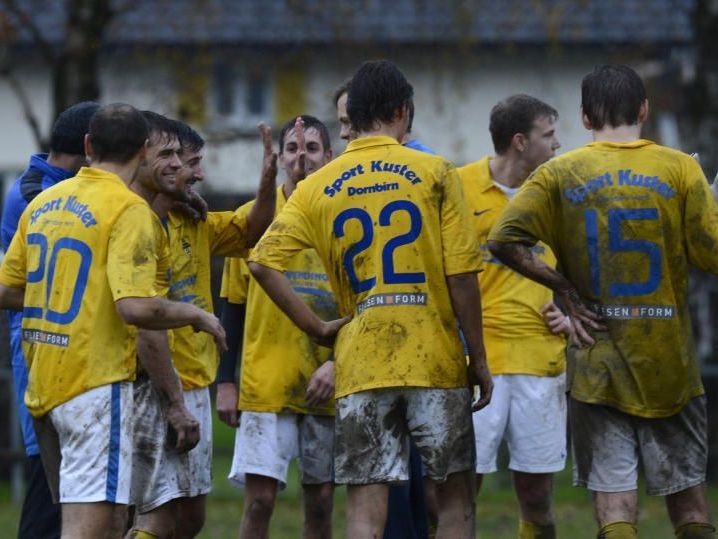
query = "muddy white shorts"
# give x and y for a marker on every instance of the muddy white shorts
(161, 473)
(529, 412)
(374, 428)
(265, 444)
(86, 446)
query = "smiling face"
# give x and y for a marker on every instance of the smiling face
(191, 171)
(316, 156)
(159, 172)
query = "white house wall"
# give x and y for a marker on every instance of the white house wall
(454, 94)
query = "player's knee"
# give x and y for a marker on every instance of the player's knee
(259, 506)
(319, 502)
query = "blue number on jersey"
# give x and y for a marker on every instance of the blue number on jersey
(390, 276)
(618, 244)
(37, 275)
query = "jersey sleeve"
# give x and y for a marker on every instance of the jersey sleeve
(228, 232)
(13, 271)
(529, 215)
(162, 282)
(459, 244)
(701, 220)
(235, 280)
(290, 232)
(132, 254)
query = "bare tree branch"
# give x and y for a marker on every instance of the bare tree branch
(27, 22)
(27, 108)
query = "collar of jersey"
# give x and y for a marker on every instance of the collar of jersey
(55, 174)
(370, 142)
(603, 144)
(485, 182)
(92, 173)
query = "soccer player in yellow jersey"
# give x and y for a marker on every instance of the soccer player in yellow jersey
(624, 217)
(287, 381)
(184, 479)
(391, 227)
(82, 266)
(526, 358)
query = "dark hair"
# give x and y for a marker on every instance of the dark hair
(70, 128)
(310, 122)
(340, 91)
(376, 92)
(160, 127)
(612, 95)
(516, 114)
(189, 138)
(117, 132)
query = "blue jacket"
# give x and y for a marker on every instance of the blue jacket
(37, 177)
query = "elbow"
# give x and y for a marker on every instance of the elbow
(128, 311)
(494, 247)
(257, 270)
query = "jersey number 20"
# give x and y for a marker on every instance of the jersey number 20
(47, 272)
(390, 275)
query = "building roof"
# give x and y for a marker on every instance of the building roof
(317, 22)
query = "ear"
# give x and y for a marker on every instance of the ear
(142, 154)
(88, 147)
(328, 155)
(643, 112)
(519, 141)
(585, 121)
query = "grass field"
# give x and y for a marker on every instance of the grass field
(496, 507)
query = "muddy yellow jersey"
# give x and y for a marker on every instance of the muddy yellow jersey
(389, 224)
(625, 220)
(278, 359)
(192, 244)
(516, 337)
(81, 245)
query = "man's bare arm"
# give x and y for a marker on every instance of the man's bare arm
(154, 353)
(11, 298)
(521, 258)
(466, 301)
(277, 287)
(160, 313)
(262, 212)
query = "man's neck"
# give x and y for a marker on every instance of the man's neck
(623, 133)
(63, 160)
(395, 130)
(147, 194)
(162, 204)
(126, 171)
(508, 171)
(288, 187)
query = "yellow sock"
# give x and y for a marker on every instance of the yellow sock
(531, 530)
(142, 534)
(618, 530)
(696, 530)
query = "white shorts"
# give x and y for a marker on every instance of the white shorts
(86, 446)
(266, 443)
(529, 412)
(161, 473)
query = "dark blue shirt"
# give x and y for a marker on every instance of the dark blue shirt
(37, 177)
